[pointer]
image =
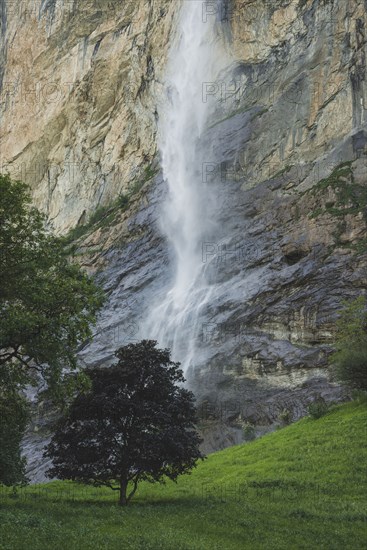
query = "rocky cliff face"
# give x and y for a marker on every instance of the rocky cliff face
(286, 160)
(79, 95)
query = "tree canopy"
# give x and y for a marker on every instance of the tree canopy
(137, 422)
(47, 304)
(47, 308)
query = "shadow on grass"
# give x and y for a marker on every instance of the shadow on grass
(77, 501)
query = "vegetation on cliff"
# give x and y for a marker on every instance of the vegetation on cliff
(350, 356)
(104, 216)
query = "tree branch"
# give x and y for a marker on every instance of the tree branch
(106, 484)
(5, 357)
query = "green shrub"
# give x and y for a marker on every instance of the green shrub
(98, 215)
(350, 357)
(352, 368)
(249, 432)
(149, 173)
(123, 201)
(74, 234)
(285, 416)
(318, 408)
(360, 396)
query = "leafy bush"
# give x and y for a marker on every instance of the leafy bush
(352, 368)
(99, 214)
(285, 416)
(350, 358)
(123, 201)
(249, 432)
(318, 408)
(360, 396)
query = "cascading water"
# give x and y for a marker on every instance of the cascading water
(196, 60)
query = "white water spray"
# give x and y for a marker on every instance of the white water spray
(195, 60)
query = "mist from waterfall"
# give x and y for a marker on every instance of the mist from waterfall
(196, 58)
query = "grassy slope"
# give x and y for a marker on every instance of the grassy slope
(300, 487)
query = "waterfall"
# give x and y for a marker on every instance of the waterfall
(196, 59)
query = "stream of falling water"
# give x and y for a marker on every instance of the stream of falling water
(196, 58)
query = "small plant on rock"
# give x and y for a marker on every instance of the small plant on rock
(285, 416)
(249, 432)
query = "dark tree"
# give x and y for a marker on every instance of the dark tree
(136, 423)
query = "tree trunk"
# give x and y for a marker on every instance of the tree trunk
(123, 489)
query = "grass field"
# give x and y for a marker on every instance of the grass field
(300, 487)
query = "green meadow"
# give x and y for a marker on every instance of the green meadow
(303, 486)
